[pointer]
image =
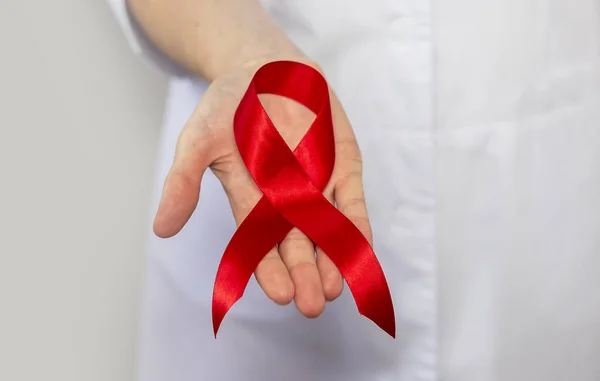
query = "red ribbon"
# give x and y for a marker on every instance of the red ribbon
(292, 184)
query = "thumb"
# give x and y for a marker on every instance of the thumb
(181, 190)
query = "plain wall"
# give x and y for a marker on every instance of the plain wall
(79, 123)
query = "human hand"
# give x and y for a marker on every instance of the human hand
(291, 270)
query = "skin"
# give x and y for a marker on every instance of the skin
(225, 42)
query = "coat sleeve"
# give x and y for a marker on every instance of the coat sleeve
(141, 44)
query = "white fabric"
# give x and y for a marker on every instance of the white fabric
(479, 123)
(140, 43)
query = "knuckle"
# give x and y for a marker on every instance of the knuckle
(349, 150)
(302, 265)
(179, 181)
(354, 176)
(296, 236)
(357, 203)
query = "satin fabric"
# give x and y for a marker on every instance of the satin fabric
(479, 123)
(292, 183)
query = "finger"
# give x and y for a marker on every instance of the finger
(243, 194)
(331, 279)
(182, 186)
(350, 200)
(348, 190)
(274, 279)
(298, 254)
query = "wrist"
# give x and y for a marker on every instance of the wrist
(247, 48)
(255, 63)
(251, 60)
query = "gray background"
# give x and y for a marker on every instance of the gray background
(79, 123)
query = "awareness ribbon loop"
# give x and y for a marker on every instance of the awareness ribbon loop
(292, 183)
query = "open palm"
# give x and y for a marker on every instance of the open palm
(290, 271)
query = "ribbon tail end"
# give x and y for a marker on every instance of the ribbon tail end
(216, 325)
(388, 326)
(392, 332)
(386, 321)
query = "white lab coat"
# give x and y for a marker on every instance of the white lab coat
(479, 123)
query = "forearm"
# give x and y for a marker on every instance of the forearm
(209, 37)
